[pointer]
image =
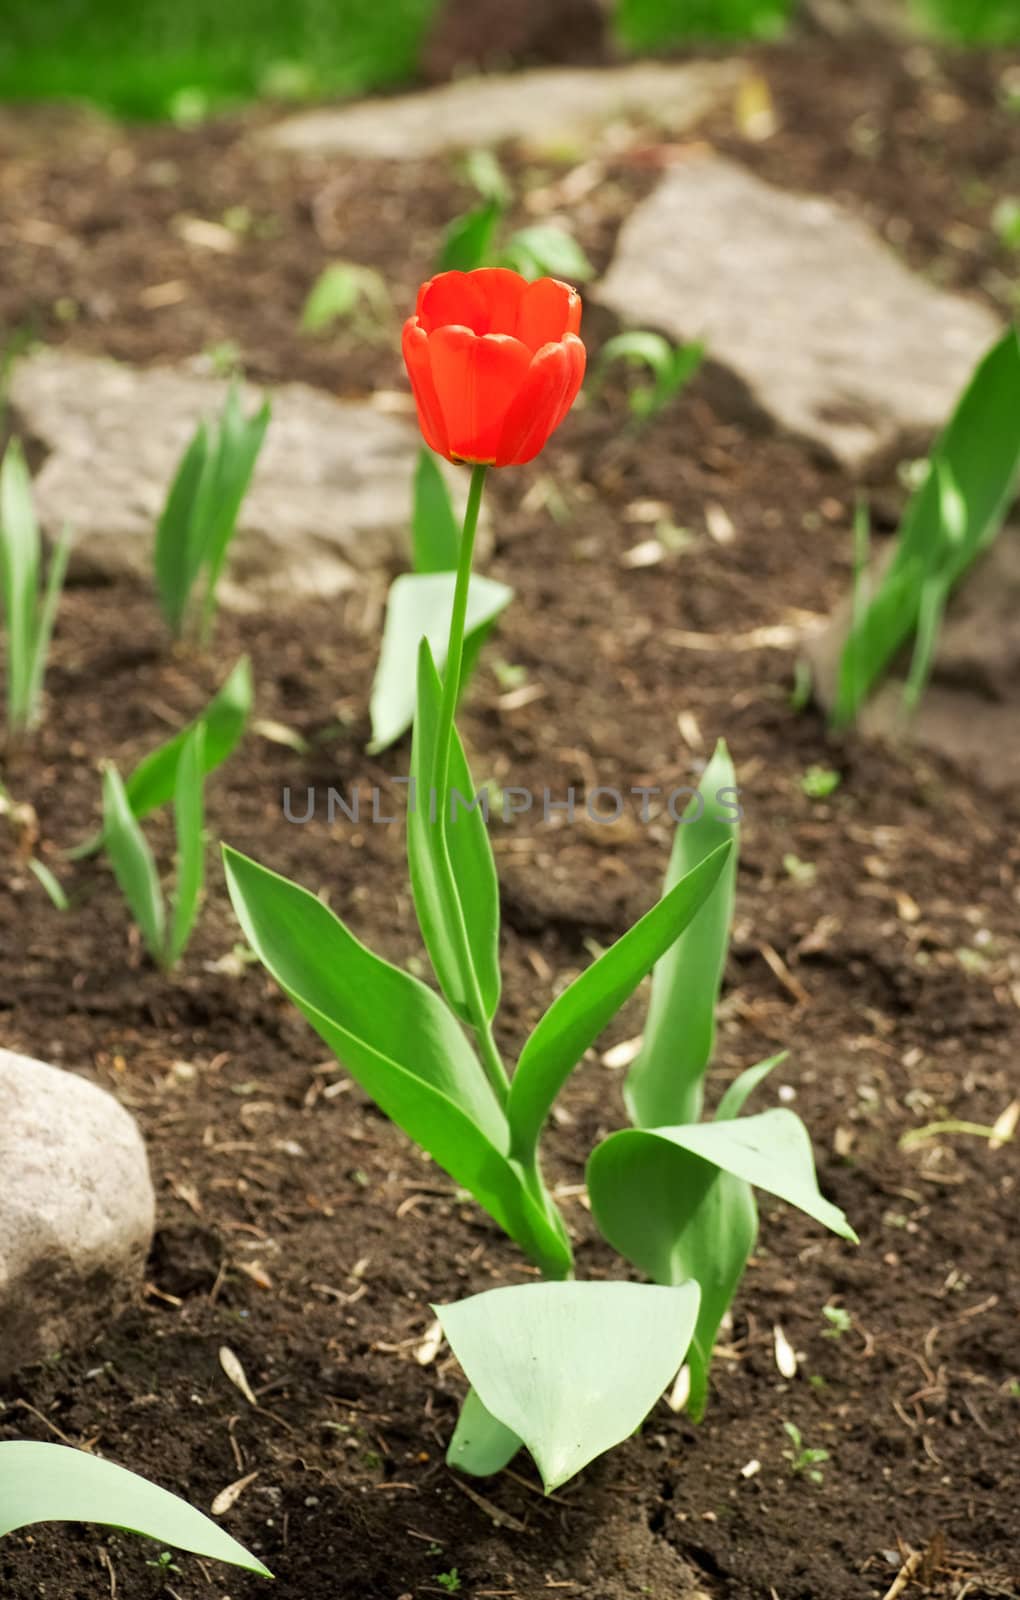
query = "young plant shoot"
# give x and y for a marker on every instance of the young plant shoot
(567, 1369)
(166, 931)
(201, 511)
(52, 1483)
(30, 602)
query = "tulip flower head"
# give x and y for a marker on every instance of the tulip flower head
(495, 363)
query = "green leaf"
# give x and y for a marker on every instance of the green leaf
(189, 823)
(677, 1202)
(482, 169)
(467, 243)
(436, 533)
(571, 1368)
(956, 513)
(19, 577)
(238, 446)
(154, 780)
(546, 251)
(50, 882)
(420, 605)
(178, 547)
(400, 1042)
(51, 1483)
(339, 291)
(480, 1445)
(133, 865)
(577, 1016)
(744, 1085)
(664, 1084)
(453, 874)
(47, 617)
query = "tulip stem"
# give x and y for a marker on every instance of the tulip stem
(491, 1059)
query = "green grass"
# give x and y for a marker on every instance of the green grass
(158, 58)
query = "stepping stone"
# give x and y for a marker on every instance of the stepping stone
(76, 1210)
(545, 107)
(970, 711)
(836, 339)
(329, 505)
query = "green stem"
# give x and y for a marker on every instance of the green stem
(491, 1059)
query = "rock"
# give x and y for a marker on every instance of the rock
(544, 107)
(970, 711)
(330, 500)
(76, 1210)
(836, 340)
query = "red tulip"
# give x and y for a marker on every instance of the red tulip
(495, 363)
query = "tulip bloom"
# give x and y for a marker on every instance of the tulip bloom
(495, 363)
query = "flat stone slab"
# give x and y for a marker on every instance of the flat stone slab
(330, 501)
(541, 108)
(836, 340)
(970, 711)
(76, 1210)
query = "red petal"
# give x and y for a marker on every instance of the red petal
(549, 309)
(453, 299)
(477, 381)
(416, 359)
(549, 391)
(502, 291)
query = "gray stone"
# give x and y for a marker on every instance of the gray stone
(544, 107)
(330, 502)
(970, 711)
(76, 1210)
(836, 339)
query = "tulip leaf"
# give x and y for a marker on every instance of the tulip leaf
(20, 558)
(481, 1445)
(449, 853)
(677, 1202)
(178, 553)
(546, 251)
(467, 243)
(578, 1015)
(664, 1085)
(189, 824)
(133, 864)
(420, 605)
(400, 1042)
(571, 1369)
(435, 528)
(53, 1483)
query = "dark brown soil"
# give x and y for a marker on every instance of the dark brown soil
(296, 1226)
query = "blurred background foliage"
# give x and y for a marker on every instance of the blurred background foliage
(185, 58)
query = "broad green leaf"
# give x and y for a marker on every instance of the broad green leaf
(399, 1040)
(48, 616)
(420, 606)
(664, 1084)
(436, 533)
(956, 513)
(571, 1368)
(546, 251)
(133, 865)
(453, 874)
(178, 549)
(694, 1221)
(19, 578)
(52, 1483)
(467, 243)
(480, 1445)
(189, 822)
(577, 1016)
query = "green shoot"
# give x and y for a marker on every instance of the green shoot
(201, 511)
(819, 782)
(839, 1320)
(803, 1461)
(539, 251)
(29, 604)
(346, 292)
(165, 934)
(672, 368)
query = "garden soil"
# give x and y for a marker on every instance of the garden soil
(877, 933)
